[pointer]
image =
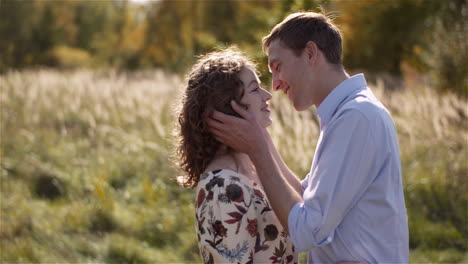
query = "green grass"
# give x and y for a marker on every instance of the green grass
(86, 174)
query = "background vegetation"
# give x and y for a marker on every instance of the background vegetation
(428, 36)
(85, 145)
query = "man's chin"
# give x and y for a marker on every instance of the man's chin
(296, 105)
(300, 107)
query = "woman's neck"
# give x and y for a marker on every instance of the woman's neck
(235, 161)
(245, 166)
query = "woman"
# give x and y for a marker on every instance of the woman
(234, 219)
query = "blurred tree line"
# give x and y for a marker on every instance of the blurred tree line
(380, 36)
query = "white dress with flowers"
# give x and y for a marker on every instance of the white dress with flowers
(235, 223)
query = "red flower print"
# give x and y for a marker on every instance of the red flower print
(258, 193)
(210, 196)
(219, 228)
(252, 227)
(201, 197)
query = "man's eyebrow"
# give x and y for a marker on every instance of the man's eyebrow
(271, 63)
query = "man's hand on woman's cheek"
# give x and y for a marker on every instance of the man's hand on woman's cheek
(242, 134)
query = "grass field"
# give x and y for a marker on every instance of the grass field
(86, 173)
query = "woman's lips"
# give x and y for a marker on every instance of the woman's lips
(265, 109)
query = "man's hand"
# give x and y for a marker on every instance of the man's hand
(242, 134)
(247, 136)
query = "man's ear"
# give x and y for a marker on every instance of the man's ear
(311, 51)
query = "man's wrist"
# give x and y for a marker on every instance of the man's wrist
(260, 153)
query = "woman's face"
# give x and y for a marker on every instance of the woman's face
(255, 97)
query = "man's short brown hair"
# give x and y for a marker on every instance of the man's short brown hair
(299, 28)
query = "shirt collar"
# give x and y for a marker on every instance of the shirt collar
(330, 104)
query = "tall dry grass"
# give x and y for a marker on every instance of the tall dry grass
(86, 176)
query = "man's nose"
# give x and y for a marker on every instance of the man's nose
(276, 82)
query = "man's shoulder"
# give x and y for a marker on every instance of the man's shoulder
(367, 105)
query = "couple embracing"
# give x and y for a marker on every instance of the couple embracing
(250, 207)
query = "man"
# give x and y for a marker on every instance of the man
(350, 207)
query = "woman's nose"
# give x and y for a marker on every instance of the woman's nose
(266, 95)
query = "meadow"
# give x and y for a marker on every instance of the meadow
(86, 172)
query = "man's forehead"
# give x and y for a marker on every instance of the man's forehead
(273, 51)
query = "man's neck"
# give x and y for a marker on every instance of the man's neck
(330, 80)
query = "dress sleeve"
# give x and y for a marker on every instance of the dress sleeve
(227, 222)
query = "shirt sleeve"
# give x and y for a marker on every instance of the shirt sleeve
(304, 183)
(227, 232)
(338, 179)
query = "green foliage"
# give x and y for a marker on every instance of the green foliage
(442, 256)
(447, 57)
(124, 250)
(49, 186)
(102, 222)
(178, 31)
(108, 144)
(68, 33)
(379, 36)
(105, 138)
(18, 28)
(66, 57)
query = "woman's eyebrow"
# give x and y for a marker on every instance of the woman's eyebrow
(253, 81)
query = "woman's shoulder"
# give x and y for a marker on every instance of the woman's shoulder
(226, 181)
(220, 176)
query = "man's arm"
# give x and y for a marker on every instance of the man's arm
(245, 135)
(347, 163)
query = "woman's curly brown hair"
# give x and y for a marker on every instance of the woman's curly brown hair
(211, 84)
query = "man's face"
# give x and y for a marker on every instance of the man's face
(289, 73)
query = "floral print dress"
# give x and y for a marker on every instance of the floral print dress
(236, 224)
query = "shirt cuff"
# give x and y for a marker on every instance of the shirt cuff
(294, 229)
(302, 223)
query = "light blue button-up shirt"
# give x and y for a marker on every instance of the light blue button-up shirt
(354, 207)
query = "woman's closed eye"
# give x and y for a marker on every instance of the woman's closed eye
(256, 89)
